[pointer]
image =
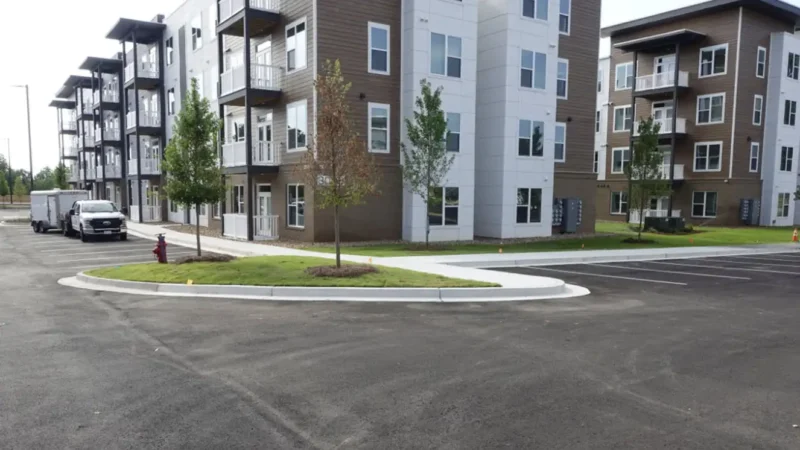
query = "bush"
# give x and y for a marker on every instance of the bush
(346, 271)
(689, 228)
(205, 258)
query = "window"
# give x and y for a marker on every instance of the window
(597, 122)
(197, 33)
(710, 109)
(599, 81)
(170, 51)
(623, 118)
(562, 77)
(171, 101)
(378, 49)
(704, 204)
(761, 62)
(212, 21)
(453, 132)
(535, 9)
(596, 162)
(237, 206)
(443, 210)
(378, 128)
(755, 148)
(529, 205)
(787, 155)
(173, 207)
(295, 205)
(531, 138)
(215, 209)
(783, 204)
(793, 69)
(561, 142)
(789, 112)
(713, 60)
(619, 203)
(563, 16)
(758, 109)
(707, 156)
(624, 76)
(620, 158)
(533, 70)
(296, 46)
(297, 122)
(446, 55)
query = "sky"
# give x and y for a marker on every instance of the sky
(43, 52)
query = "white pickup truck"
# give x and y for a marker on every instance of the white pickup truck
(95, 218)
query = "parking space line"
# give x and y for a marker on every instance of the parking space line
(677, 272)
(607, 276)
(111, 258)
(759, 263)
(145, 250)
(86, 250)
(762, 258)
(747, 269)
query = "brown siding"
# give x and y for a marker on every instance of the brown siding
(574, 177)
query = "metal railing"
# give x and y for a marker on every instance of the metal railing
(146, 119)
(146, 70)
(109, 134)
(666, 126)
(663, 171)
(661, 80)
(262, 76)
(264, 154)
(109, 96)
(70, 124)
(234, 154)
(265, 227)
(88, 140)
(113, 171)
(227, 8)
(652, 213)
(73, 175)
(151, 213)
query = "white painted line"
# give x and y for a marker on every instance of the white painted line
(110, 258)
(145, 252)
(746, 269)
(764, 258)
(693, 274)
(607, 276)
(126, 249)
(98, 266)
(757, 263)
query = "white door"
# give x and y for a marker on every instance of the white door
(264, 210)
(262, 74)
(664, 69)
(264, 145)
(662, 113)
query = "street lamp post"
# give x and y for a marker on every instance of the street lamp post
(30, 142)
(8, 147)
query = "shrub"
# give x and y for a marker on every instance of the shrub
(205, 258)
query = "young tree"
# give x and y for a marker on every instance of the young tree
(425, 159)
(44, 180)
(337, 164)
(4, 190)
(20, 187)
(194, 177)
(645, 176)
(60, 176)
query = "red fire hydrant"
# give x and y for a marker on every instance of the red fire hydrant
(161, 249)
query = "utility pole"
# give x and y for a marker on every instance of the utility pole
(8, 146)
(30, 144)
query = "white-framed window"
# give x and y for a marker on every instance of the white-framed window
(784, 199)
(378, 56)
(169, 47)
(295, 206)
(755, 150)
(297, 125)
(171, 101)
(237, 205)
(787, 158)
(620, 158)
(296, 45)
(793, 67)
(531, 138)
(596, 162)
(599, 80)
(761, 62)
(534, 9)
(443, 206)
(562, 78)
(453, 132)
(212, 21)
(215, 210)
(619, 203)
(708, 156)
(445, 55)
(529, 205)
(789, 112)
(624, 76)
(197, 33)
(758, 109)
(711, 109)
(564, 14)
(533, 70)
(597, 122)
(704, 204)
(560, 154)
(713, 61)
(379, 117)
(173, 207)
(623, 118)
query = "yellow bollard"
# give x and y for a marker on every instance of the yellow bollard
(501, 250)
(370, 260)
(189, 282)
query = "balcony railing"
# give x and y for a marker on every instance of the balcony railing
(661, 80)
(147, 119)
(110, 134)
(71, 150)
(73, 176)
(69, 125)
(113, 171)
(261, 77)
(146, 70)
(228, 8)
(87, 173)
(264, 227)
(653, 213)
(234, 154)
(86, 108)
(666, 126)
(150, 166)
(109, 96)
(151, 213)
(264, 154)
(663, 170)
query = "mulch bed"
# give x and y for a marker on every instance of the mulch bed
(346, 271)
(204, 258)
(637, 241)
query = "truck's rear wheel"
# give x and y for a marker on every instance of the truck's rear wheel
(37, 227)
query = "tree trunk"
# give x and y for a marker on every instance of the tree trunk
(427, 207)
(641, 220)
(336, 236)
(197, 228)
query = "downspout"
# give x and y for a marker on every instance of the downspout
(735, 94)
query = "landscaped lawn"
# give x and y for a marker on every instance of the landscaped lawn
(703, 236)
(274, 271)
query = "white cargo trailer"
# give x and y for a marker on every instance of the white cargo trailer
(48, 208)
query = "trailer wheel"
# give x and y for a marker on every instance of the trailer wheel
(66, 229)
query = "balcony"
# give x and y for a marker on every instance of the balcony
(110, 134)
(666, 126)
(150, 166)
(73, 176)
(71, 148)
(148, 75)
(262, 15)
(151, 213)
(109, 96)
(88, 141)
(147, 119)
(234, 154)
(265, 82)
(113, 171)
(660, 84)
(264, 227)
(87, 173)
(69, 125)
(653, 213)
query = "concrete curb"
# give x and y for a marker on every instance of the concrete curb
(411, 295)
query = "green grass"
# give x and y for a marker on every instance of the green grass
(275, 271)
(703, 236)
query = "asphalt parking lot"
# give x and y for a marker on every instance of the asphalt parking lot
(651, 359)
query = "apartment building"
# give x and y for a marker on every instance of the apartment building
(256, 60)
(721, 79)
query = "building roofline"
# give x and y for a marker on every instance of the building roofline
(775, 8)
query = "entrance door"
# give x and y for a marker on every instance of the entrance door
(264, 211)
(662, 113)
(262, 74)
(664, 70)
(659, 206)
(264, 144)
